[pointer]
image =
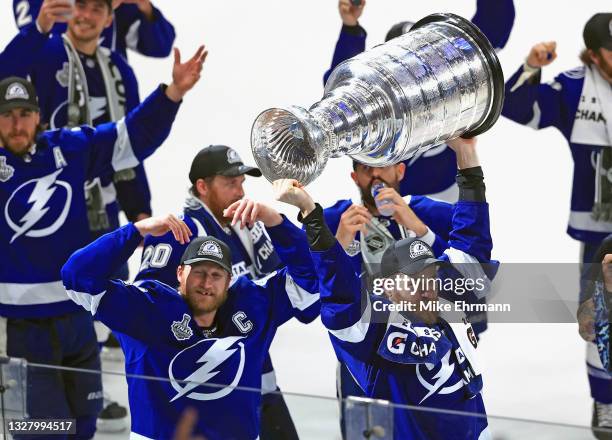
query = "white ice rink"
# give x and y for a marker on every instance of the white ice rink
(274, 52)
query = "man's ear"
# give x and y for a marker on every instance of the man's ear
(593, 56)
(354, 177)
(400, 170)
(180, 272)
(202, 187)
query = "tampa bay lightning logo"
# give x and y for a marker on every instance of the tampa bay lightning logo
(438, 382)
(209, 369)
(39, 207)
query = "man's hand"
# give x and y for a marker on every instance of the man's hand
(144, 6)
(350, 13)
(186, 75)
(157, 226)
(402, 213)
(247, 212)
(465, 149)
(352, 220)
(586, 320)
(606, 270)
(51, 12)
(542, 54)
(290, 191)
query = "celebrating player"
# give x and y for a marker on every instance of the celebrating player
(137, 25)
(41, 189)
(494, 18)
(211, 337)
(217, 175)
(579, 104)
(418, 357)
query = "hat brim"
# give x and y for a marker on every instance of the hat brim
(11, 105)
(240, 170)
(193, 261)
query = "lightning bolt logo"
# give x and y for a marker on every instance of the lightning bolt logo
(217, 354)
(44, 188)
(442, 376)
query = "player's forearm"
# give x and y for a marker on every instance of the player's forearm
(89, 269)
(149, 124)
(29, 41)
(155, 36)
(292, 248)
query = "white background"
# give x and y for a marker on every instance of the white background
(274, 52)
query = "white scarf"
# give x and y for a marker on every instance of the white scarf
(593, 126)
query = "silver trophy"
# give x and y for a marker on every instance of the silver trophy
(437, 82)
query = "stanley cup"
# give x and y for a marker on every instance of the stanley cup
(437, 82)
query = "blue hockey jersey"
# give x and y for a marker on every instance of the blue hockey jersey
(435, 214)
(47, 66)
(130, 29)
(433, 173)
(162, 255)
(407, 362)
(565, 105)
(161, 339)
(44, 214)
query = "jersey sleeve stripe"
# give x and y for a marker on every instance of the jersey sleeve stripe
(87, 301)
(300, 298)
(123, 154)
(358, 331)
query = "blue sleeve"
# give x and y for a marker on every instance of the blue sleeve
(294, 290)
(495, 18)
(471, 232)
(161, 256)
(530, 103)
(124, 144)
(346, 310)
(152, 38)
(13, 59)
(122, 307)
(351, 42)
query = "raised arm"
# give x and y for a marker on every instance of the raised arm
(87, 276)
(124, 144)
(142, 27)
(352, 39)
(529, 102)
(495, 19)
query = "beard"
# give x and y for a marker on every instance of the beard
(366, 191)
(205, 304)
(216, 205)
(17, 147)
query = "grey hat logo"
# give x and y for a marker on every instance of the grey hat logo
(418, 248)
(210, 248)
(16, 91)
(232, 156)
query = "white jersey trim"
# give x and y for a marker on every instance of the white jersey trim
(357, 332)
(136, 436)
(300, 298)
(123, 154)
(583, 221)
(32, 294)
(470, 268)
(131, 38)
(87, 301)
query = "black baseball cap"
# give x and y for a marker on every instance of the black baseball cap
(17, 92)
(407, 256)
(208, 248)
(598, 31)
(219, 160)
(399, 29)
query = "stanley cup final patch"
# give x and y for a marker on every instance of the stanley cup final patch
(16, 91)
(181, 329)
(209, 247)
(6, 171)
